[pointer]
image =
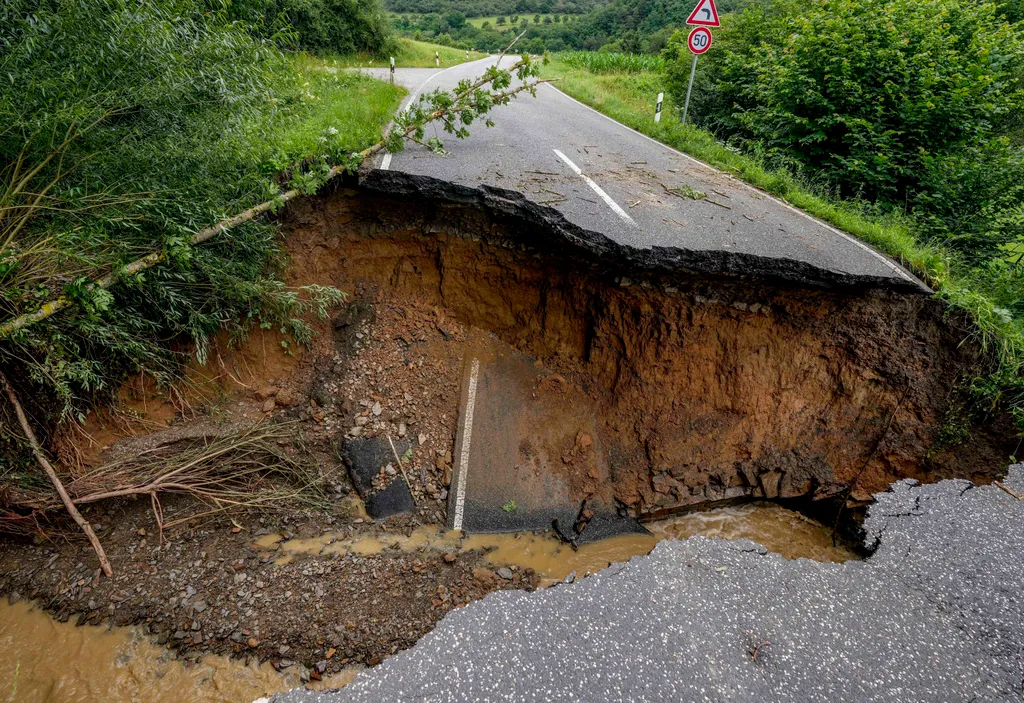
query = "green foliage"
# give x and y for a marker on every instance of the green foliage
(903, 102)
(869, 92)
(140, 124)
(605, 62)
(339, 26)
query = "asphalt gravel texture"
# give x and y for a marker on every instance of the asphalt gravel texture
(935, 614)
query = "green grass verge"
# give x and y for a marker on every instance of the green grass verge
(356, 106)
(630, 99)
(410, 54)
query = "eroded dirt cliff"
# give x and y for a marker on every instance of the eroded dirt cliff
(707, 387)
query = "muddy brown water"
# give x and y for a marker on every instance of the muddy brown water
(45, 661)
(780, 530)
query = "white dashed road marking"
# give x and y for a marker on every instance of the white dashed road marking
(597, 189)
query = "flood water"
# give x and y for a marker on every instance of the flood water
(780, 530)
(44, 661)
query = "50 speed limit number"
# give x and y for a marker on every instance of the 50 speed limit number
(699, 40)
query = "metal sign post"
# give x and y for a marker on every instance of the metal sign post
(392, 70)
(657, 108)
(689, 88)
(704, 15)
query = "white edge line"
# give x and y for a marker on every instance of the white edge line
(467, 438)
(877, 254)
(385, 163)
(596, 188)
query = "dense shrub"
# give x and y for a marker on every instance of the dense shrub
(904, 102)
(128, 126)
(338, 26)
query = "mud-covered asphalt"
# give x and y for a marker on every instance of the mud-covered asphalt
(605, 178)
(935, 614)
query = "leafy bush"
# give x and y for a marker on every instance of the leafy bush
(913, 105)
(124, 128)
(339, 26)
(870, 92)
(609, 62)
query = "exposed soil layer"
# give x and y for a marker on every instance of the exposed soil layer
(707, 388)
(704, 388)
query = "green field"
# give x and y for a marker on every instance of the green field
(478, 21)
(411, 54)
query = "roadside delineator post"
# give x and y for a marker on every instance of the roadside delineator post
(657, 108)
(437, 59)
(392, 70)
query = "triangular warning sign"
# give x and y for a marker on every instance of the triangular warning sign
(705, 14)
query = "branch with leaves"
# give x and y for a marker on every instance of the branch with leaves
(454, 110)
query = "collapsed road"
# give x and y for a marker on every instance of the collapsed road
(935, 614)
(603, 177)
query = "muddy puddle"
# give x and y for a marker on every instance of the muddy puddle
(780, 530)
(45, 661)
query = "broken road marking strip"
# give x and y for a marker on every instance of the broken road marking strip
(596, 188)
(467, 438)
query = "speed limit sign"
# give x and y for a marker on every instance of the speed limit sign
(699, 40)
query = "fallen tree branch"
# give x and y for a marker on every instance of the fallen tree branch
(1011, 492)
(62, 302)
(44, 462)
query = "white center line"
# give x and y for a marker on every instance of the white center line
(467, 437)
(597, 189)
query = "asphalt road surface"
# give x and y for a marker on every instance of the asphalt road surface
(604, 177)
(935, 615)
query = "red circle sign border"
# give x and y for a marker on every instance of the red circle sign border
(695, 31)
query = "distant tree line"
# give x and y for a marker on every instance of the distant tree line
(492, 8)
(630, 26)
(336, 26)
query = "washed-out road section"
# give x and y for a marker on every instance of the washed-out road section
(606, 178)
(935, 614)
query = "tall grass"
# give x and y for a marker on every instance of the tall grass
(607, 62)
(149, 122)
(630, 97)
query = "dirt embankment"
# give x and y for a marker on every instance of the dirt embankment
(703, 388)
(706, 388)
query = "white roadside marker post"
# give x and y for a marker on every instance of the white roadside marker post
(437, 59)
(392, 70)
(657, 108)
